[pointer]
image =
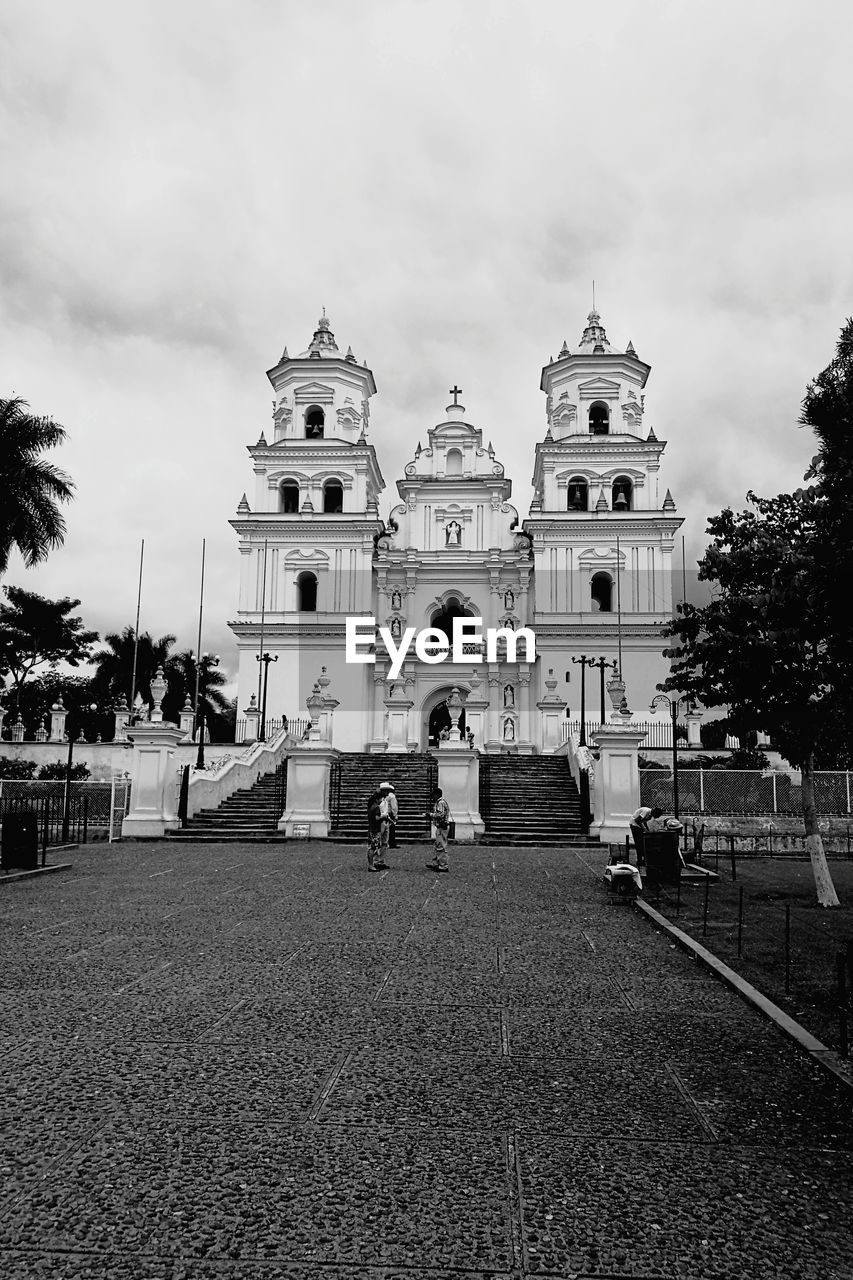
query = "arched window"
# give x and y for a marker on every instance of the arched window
(578, 494)
(623, 492)
(601, 589)
(454, 462)
(599, 419)
(290, 497)
(333, 496)
(306, 592)
(443, 620)
(315, 420)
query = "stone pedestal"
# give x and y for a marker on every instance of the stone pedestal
(58, 715)
(307, 812)
(153, 798)
(694, 724)
(397, 708)
(122, 720)
(551, 709)
(459, 779)
(187, 721)
(617, 780)
(253, 721)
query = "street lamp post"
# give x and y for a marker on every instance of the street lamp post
(602, 667)
(206, 664)
(73, 725)
(584, 662)
(674, 704)
(266, 659)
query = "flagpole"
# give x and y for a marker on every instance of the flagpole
(263, 618)
(136, 631)
(683, 574)
(198, 648)
(619, 602)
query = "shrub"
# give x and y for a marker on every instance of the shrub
(20, 769)
(52, 772)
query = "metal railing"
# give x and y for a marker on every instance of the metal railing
(658, 732)
(296, 727)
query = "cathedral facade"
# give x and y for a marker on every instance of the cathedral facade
(588, 571)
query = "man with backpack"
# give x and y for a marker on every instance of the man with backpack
(439, 816)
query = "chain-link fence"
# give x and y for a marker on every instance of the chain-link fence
(91, 811)
(744, 791)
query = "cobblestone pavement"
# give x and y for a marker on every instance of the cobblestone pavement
(252, 1062)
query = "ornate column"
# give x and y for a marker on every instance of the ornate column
(525, 745)
(476, 710)
(377, 743)
(307, 815)
(551, 710)
(493, 727)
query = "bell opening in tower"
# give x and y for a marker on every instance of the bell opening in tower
(315, 423)
(601, 591)
(599, 419)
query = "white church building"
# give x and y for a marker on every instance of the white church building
(588, 570)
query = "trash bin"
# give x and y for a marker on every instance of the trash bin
(20, 841)
(663, 860)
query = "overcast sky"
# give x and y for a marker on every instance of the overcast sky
(185, 185)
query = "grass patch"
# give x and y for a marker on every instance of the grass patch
(816, 933)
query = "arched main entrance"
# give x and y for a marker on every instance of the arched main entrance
(435, 717)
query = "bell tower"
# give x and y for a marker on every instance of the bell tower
(307, 537)
(602, 524)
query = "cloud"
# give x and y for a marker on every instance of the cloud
(190, 183)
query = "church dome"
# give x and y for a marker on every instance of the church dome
(323, 345)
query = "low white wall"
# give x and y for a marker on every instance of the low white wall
(102, 759)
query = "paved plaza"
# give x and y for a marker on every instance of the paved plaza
(250, 1062)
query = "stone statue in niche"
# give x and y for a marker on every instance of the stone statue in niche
(396, 601)
(509, 696)
(509, 624)
(454, 533)
(509, 730)
(509, 600)
(396, 630)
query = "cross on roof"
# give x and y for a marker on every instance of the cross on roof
(456, 392)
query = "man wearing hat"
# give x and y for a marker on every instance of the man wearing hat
(390, 835)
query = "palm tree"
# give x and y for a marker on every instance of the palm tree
(29, 487)
(115, 664)
(180, 675)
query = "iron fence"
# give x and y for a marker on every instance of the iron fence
(658, 732)
(297, 727)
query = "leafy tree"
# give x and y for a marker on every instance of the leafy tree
(759, 647)
(39, 695)
(30, 488)
(36, 631)
(828, 410)
(114, 665)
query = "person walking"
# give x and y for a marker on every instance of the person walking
(377, 818)
(439, 816)
(390, 794)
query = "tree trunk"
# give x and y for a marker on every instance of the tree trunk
(826, 895)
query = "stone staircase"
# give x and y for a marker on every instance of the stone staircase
(415, 777)
(249, 816)
(529, 800)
